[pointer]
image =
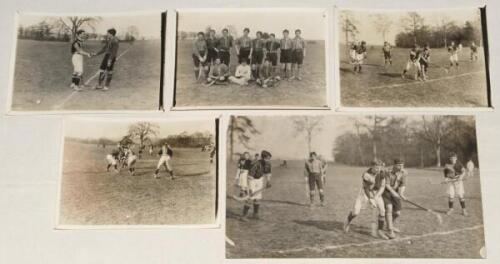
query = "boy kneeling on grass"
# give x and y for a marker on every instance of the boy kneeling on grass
(243, 73)
(218, 74)
(267, 76)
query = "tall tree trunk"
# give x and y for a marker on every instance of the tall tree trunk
(438, 156)
(231, 140)
(347, 37)
(422, 158)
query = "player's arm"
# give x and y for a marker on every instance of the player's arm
(304, 47)
(391, 190)
(382, 189)
(80, 51)
(103, 49)
(237, 46)
(251, 50)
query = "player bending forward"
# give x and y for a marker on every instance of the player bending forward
(313, 170)
(413, 63)
(373, 185)
(112, 159)
(260, 170)
(395, 184)
(454, 173)
(165, 154)
(131, 158)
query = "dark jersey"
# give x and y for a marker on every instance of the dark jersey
(414, 54)
(453, 49)
(258, 44)
(110, 47)
(453, 171)
(225, 43)
(360, 49)
(77, 44)
(426, 53)
(378, 180)
(115, 153)
(244, 164)
(272, 46)
(211, 43)
(259, 168)
(387, 48)
(168, 152)
(473, 48)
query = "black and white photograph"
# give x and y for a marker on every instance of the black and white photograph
(251, 58)
(87, 63)
(353, 186)
(433, 58)
(121, 172)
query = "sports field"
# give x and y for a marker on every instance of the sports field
(43, 75)
(288, 228)
(92, 196)
(378, 86)
(310, 92)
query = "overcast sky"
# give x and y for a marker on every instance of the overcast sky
(149, 25)
(113, 129)
(368, 32)
(311, 22)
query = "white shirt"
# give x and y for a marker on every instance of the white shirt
(243, 71)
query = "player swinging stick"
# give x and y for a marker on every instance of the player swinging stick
(166, 154)
(373, 185)
(110, 50)
(395, 185)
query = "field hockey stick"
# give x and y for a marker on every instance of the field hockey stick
(209, 84)
(117, 58)
(247, 197)
(230, 242)
(438, 217)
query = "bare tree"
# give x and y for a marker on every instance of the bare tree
(72, 24)
(375, 126)
(383, 24)
(433, 131)
(348, 27)
(132, 33)
(240, 128)
(412, 23)
(308, 125)
(143, 131)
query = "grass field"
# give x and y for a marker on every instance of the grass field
(288, 228)
(43, 72)
(310, 92)
(380, 87)
(92, 196)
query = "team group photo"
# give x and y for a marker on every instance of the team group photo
(252, 58)
(87, 63)
(124, 172)
(412, 58)
(353, 186)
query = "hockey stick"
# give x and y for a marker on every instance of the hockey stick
(438, 217)
(230, 242)
(247, 197)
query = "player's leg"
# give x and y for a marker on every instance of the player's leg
(319, 184)
(131, 164)
(396, 212)
(169, 169)
(77, 61)
(406, 69)
(358, 204)
(102, 71)
(459, 190)
(300, 61)
(109, 160)
(379, 202)
(388, 219)
(312, 188)
(451, 197)
(157, 171)
(196, 69)
(109, 73)
(258, 185)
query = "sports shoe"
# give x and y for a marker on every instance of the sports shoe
(156, 176)
(77, 88)
(396, 230)
(105, 88)
(382, 235)
(391, 235)
(449, 211)
(464, 212)
(299, 78)
(97, 87)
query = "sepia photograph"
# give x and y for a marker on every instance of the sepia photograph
(251, 58)
(353, 186)
(435, 58)
(87, 63)
(121, 172)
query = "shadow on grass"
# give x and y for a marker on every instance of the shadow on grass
(284, 202)
(333, 226)
(391, 74)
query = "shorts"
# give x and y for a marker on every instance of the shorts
(243, 179)
(412, 64)
(104, 63)
(244, 53)
(454, 57)
(315, 179)
(387, 55)
(211, 55)
(257, 56)
(352, 55)
(424, 64)
(131, 160)
(286, 56)
(456, 188)
(359, 58)
(197, 61)
(362, 200)
(298, 57)
(225, 57)
(255, 185)
(389, 199)
(110, 159)
(164, 160)
(273, 58)
(77, 60)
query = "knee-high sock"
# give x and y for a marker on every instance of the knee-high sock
(102, 75)
(108, 78)
(381, 222)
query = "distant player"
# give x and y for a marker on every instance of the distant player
(413, 63)
(110, 51)
(360, 56)
(112, 159)
(387, 51)
(373, 185)
(212, 154)
(272, 48)
(260, 172)
(298, 54)
(200, 53)
(454, 173)
(77, 59)
(313, 171)
(165, 154)
(243, 73)
(453, 52)
(473, 51)
(219, 73)
(352, 51)
(243, 46)
(151, 150)
(395, 185)
(470, 168)
(224, 45)
(258, 45)
(425, 60)
(286, 46)
(131, 160)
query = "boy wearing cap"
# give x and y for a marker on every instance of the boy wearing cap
(260, 170)
(243, 47)
(313, 171)
(298, 54)
(110, 51)
(224, 45)
(286, 45)
(360, 56)
(395, 184)
(373, 185)
(454, 173)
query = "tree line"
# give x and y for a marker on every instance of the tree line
(425, 142)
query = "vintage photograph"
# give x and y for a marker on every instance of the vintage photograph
(412, 58)
(353, 186)
(87, 63)
(120, 172)
(251, 58)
